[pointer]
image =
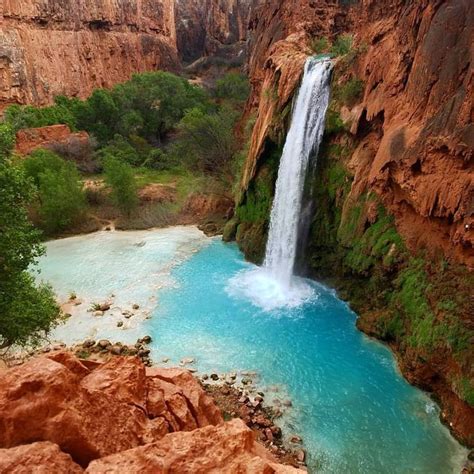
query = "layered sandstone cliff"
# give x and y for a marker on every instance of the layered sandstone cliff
(51, 47)
(60, 414)
(54, 47)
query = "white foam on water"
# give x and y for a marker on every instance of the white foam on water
(260, 287)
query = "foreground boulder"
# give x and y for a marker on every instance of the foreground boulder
(226, 448)
(92, 412)
(61, 414)
(40, 458)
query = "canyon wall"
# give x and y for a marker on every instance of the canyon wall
(210, 27)
(414, 122)
(52, 47)
(393, 213)
(69, 47)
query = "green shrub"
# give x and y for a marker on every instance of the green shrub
(209, 139)
(28, 116)
(120, 177)
(351, 91)
(233, 86)
(320, 45)
(61, 200)
(466, 389)
(120, 148)
(342, 45)
(7, 140)
(334, 123)
(159, 159)
(39, 161)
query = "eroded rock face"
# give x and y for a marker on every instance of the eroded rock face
(51, 47)
(207, 27)
(414, 123)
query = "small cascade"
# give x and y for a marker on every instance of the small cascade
(303, 139)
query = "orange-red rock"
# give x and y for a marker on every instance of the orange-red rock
(58, 414)
(226, 448)
(39, 458)
(71, 47)
(205, 410)
(30, 139)
(91, 413)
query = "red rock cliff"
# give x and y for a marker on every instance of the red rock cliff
(69, 47)
(52, 47)
(414, 124)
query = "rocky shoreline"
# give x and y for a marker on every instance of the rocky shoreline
(235, 395)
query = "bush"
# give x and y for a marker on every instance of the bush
(27, 312)
(79, 151)
(119, 176)
(233, 86)
(61, 198)
(120, 148)
(27, 116)
(334, 123)
(320, 45)
(209, 139)
(351, 91)
(161, 160)
(7, 140)
(342, 45)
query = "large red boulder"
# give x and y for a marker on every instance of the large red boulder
(226, 448)
(40, 458)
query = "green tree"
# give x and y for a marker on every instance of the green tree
(342, 45)
(7, 140)
(61, 199)
(119, 176)
(233, 86)
(27, 312)
(209, 139)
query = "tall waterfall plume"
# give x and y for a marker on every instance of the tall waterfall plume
(303, 139)
(273, 286)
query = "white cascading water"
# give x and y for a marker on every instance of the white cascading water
(274, 285)
(304, 137)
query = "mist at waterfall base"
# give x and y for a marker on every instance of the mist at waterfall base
(274, 285)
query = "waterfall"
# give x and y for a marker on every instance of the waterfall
(303, 139)
(273, 286)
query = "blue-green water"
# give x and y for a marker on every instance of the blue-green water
(354, 411)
